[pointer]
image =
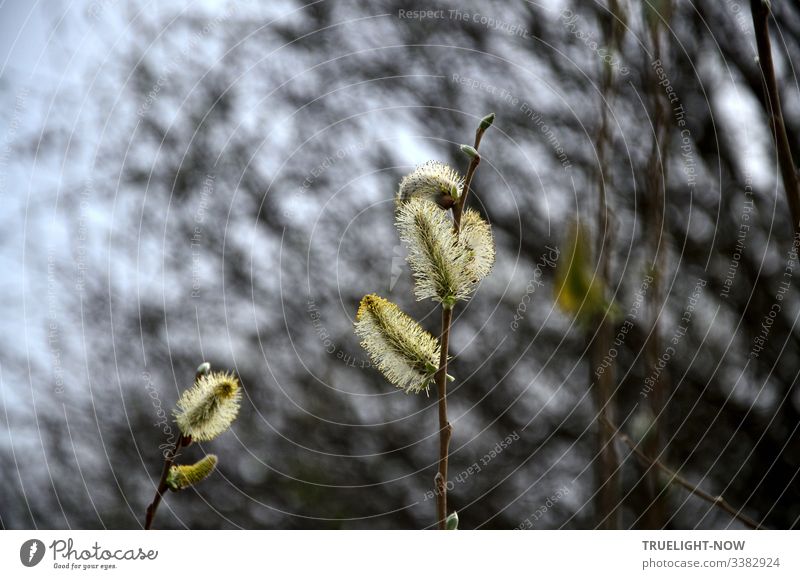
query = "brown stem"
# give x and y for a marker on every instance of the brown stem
(675, 478)
(607, 466)
(169, 459)
(445, 428)
(655, 515)
(458, 208)
(791, 182)
(607, 469)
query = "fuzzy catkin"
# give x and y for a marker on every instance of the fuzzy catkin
(432, 181)
(187, 475)
(447, 265)
(404, 352)
(440, 266)
(208, 408)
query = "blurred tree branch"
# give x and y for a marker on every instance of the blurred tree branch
(791, 183)
(675, 478)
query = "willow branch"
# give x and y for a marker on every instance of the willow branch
(656, 180)
(675, 478)
(445, 428)
(169, 460)
(607, 474)
(791, 183)
(458, 208)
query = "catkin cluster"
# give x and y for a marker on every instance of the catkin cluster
(447, 264)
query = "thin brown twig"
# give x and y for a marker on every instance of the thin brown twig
(791, 181)
(169, 460)
(606, 471)
(445, 428)
(675, 478)
(458, 208)
(656, 179)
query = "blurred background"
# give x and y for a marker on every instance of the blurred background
(213, 181)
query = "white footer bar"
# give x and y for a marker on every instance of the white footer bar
(407, 554)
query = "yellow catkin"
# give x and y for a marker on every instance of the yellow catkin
(446, 266)
(476, 237)
(187, 475)
(440, 264)
(432, 181)
(404, 352)
(209, 407)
